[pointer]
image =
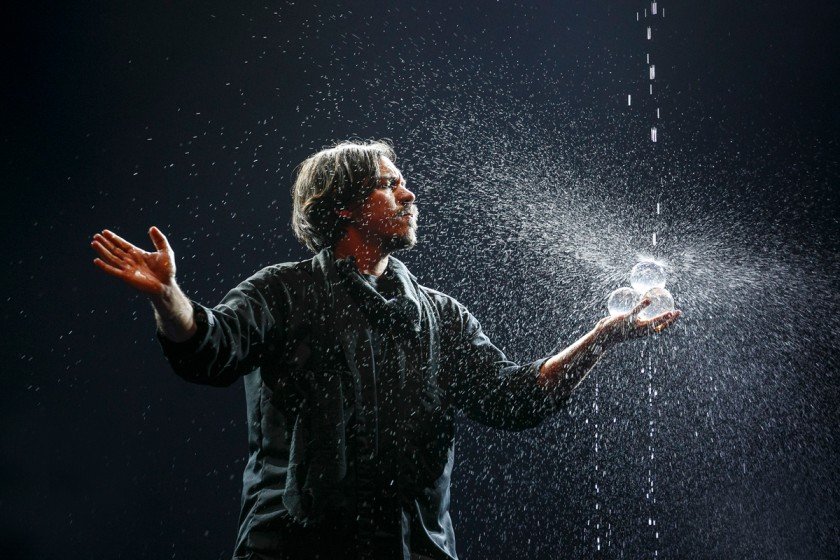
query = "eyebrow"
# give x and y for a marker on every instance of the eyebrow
(399, 178)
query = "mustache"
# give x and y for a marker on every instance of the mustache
(409, 210)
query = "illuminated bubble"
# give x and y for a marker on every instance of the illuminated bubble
(661, 301)
(646, 275)
(623, 300)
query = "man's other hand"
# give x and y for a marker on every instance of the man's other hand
(151, 273)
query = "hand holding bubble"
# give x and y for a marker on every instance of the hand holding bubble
(661, 301)
(648, 280)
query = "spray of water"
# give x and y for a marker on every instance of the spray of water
(533, 194)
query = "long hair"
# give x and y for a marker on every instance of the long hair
(331, 180)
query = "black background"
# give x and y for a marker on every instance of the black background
(192, 116)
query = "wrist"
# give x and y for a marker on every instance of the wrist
(177, 319)
(171, 305)
(167, 295)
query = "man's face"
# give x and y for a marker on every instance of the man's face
(388, 215)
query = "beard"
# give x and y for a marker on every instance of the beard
(401, 242)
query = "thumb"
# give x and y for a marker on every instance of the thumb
(159, 240)
(642, 304)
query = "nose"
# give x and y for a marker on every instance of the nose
(404, 195)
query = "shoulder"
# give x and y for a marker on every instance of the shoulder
(452, 312)
(285, 273)
(441, 300)
(289, 281)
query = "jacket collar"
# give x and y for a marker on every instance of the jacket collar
(402, 312)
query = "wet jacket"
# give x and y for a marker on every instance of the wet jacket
(302, 336)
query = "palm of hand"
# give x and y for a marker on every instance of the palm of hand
(630, 326)
(144, 271)
(147, 271)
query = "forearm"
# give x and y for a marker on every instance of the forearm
(563, 372)
(174, 314)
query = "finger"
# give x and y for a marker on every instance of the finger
(661, 326)
(654, 321)
(118, 241)
(642, 304)
(113, 249)
(159, 240)
(108, 268)
(665, 320)
(106, 255)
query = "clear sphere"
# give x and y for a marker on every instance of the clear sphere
(647, 275)
(623, 300)
(661, 301)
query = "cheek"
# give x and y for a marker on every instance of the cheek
(379, 207)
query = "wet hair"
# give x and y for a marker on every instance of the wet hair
(331, 180)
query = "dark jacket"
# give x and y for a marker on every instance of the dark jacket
(300, 334)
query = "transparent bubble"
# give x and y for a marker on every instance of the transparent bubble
(646, 275)
(661, 301)
(623, 300)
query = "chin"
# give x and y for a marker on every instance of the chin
(400, 242)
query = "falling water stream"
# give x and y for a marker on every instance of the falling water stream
(651, 19)
(650, 496)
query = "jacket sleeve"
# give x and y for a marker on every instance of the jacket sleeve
(483, 383)
(233, 336)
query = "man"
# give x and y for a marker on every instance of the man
(353, 371)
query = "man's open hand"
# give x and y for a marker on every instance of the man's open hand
(619, 328)
(151, 273)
